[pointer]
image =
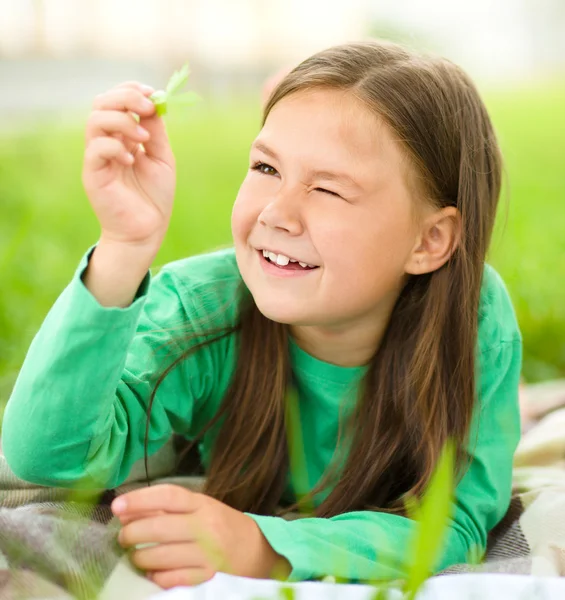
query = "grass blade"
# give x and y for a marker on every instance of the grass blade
(432, 515)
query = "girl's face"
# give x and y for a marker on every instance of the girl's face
(326, 187)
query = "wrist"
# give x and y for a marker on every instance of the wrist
(276, 566)
(136, 255)
(115, 272)
(269, 564)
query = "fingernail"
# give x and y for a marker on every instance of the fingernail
(142, 132)
(119, 505)
(147, 89)
(147, 103)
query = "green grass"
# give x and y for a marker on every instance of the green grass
(529, 247)
(47, 223)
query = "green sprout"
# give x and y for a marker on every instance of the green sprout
(162, 99)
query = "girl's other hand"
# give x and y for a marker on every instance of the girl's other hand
(130, 187)
(194, 537)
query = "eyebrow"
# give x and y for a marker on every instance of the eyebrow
(321, 174)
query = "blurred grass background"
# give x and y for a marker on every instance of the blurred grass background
(47, 223)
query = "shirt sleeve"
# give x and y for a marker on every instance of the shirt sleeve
(77, 412)
(368, 545)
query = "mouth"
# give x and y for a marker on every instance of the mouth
(284, 262)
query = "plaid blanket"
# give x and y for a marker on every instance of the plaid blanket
(60, 544)
(56, 543)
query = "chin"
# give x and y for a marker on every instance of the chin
(280, 313)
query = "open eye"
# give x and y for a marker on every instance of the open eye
(263, 168)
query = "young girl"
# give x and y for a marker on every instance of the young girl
(357, 285)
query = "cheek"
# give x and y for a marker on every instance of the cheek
(244, 215)
(368, 243)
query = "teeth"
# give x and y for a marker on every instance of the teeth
(282, 260)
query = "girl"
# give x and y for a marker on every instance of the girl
(357, 284)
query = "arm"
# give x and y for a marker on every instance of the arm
(370, 545)
(78, 409)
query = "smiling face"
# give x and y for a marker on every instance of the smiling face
(326, 187)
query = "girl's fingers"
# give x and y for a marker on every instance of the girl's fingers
(134, 133)
(103, 149)
(168, 556)
(157, 146)
(167, 497)
(178, 577)
(131, 147)
(130, 517)
(133, 97)
(163, 528)
(125, 99)
(111, 123)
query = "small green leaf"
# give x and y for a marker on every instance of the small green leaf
(178, 79)
(164, 98)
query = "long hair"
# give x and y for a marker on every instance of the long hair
(419, 388)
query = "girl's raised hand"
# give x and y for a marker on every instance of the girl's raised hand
(193, 536)
(130, 187)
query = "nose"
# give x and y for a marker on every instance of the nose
(283, 213)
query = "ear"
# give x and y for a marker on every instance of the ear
(439, 236)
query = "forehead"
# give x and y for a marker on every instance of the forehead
(330, 126)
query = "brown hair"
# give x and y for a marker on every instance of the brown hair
(419, 389)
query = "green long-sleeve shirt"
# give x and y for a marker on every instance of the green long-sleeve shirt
(79, 409)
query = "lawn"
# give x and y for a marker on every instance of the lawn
(47, 223)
